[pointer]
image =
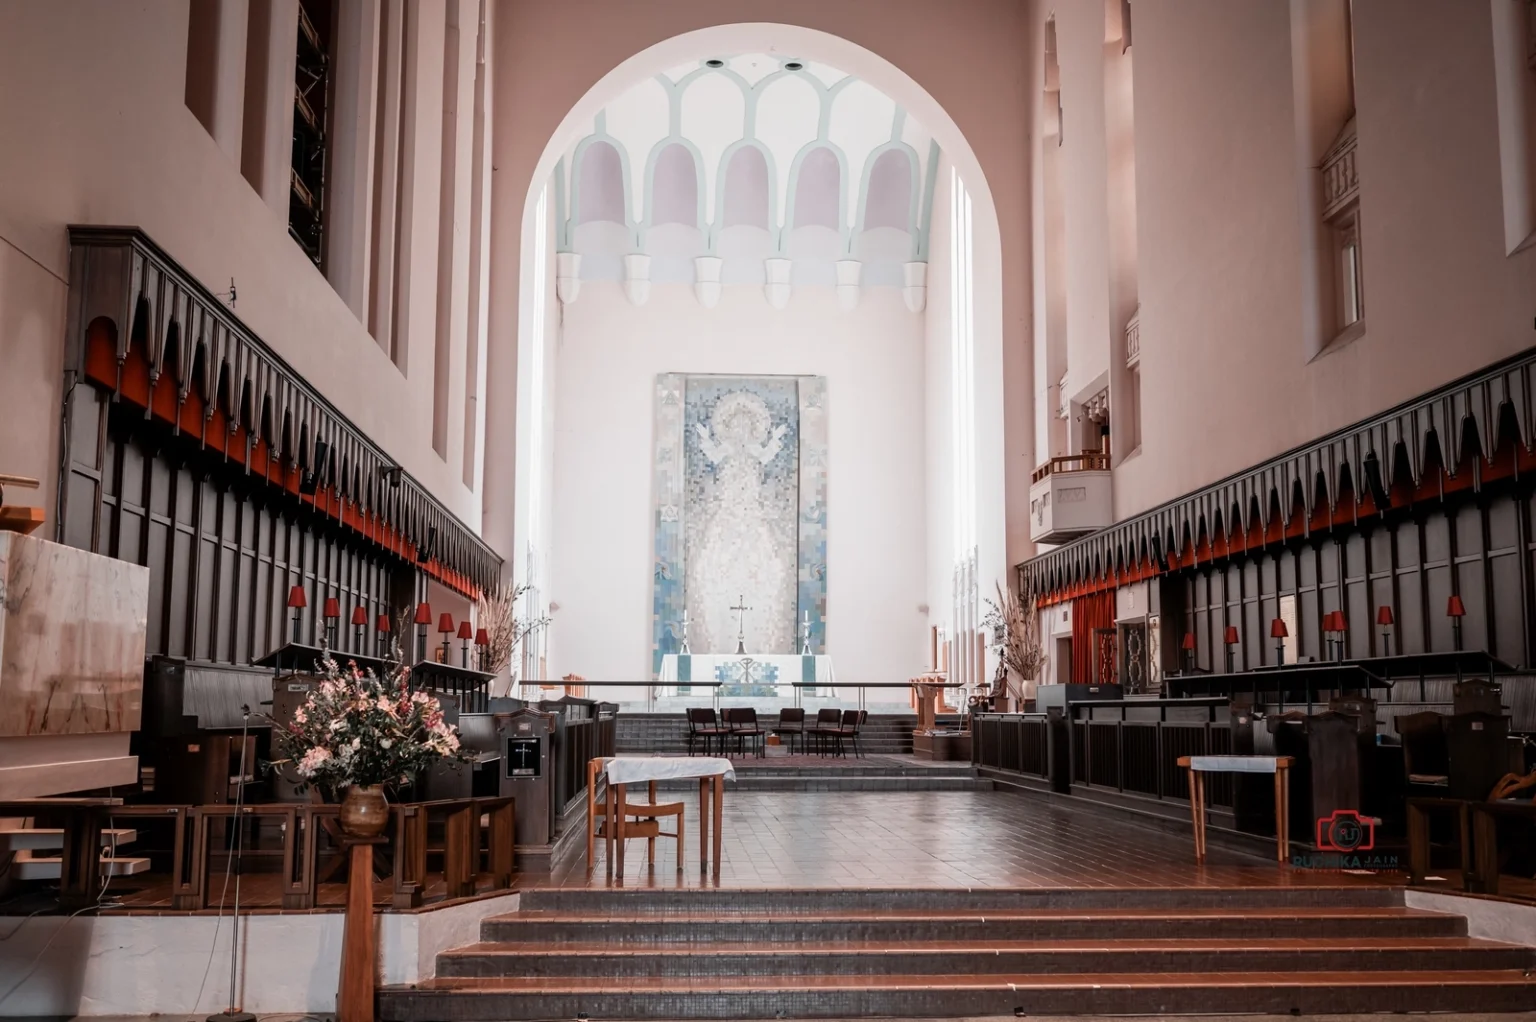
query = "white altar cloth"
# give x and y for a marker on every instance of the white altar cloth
(781, 669)
(1235, 764)
(641, 769)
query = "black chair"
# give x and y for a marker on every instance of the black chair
(791, 725)
(827, 726)
(741, 724)
(848, 730)
(703, 729)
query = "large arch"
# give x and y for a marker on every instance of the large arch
(1000, 246)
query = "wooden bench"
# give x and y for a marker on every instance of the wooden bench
(1280, 766)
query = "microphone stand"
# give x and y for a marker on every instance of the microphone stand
(233, 1013)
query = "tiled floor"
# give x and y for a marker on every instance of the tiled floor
(930, 839)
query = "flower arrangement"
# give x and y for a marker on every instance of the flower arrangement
(357, 729)
(1014, 621)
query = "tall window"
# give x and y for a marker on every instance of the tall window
(965, 665)
(962, 371)
(537, 460)
(311, 103)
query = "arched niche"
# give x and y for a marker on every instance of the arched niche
(600, 185)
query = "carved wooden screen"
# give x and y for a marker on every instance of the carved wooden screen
(1105, 659)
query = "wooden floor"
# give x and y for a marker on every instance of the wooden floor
(855, 839)
(927, 839)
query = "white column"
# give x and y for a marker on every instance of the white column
(216, 46)
(349, 199)
(266, 145)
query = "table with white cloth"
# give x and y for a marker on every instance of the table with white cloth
(1280, 766)
(623, 771)
(773, 670)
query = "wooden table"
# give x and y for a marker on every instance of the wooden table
(1280, 766)
(623, 771)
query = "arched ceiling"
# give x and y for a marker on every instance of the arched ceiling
(751, 139)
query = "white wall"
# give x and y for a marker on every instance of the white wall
(610, 354)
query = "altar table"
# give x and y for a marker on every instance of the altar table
(1280, 766)
(623, 771)
(769, 669)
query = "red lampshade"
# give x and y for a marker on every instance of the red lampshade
(1189, 640)
(1277, 629)
(1455, 608)
(465, 631)
(445, 623)
(359, 616)
(481, 638)
(1331, 621)
(1231, 635)
(332, 607)
(423, 613)
(296, 598)
(1384, 616)
(382, 624)
(1339, 624)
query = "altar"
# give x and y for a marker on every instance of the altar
(747, 674)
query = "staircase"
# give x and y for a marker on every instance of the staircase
(39, 851)
(655, 733)
(759, 954)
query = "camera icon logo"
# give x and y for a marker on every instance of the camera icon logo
(1345, 830)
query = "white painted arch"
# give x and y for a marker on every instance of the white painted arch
(811, 45)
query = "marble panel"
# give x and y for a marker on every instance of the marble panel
(72, 630)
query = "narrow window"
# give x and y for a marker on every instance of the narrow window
(311, 105)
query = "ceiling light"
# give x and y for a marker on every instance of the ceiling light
(714, 62)
(794, 65)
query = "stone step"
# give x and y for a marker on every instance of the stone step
(793, 901)
(955, 958)
(947, 996)
(715, 928)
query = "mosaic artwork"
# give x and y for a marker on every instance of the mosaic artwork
(739, 476)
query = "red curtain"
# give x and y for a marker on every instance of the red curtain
(1089, 613)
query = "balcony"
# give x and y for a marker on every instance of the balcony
(1070, 497)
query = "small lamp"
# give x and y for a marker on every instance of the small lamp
(1328, 630)
(1384, 619)
(445, 627)
(332, 614)
(1230, 638)
(381, 625)
(359, 623)
(465, 634)
(1340, 628)
(1189, 651)
(1456, 610)
(297, 602)
(483, 645)
(1278, 632)
(423, 619)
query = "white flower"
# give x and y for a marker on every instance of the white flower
(339, 724)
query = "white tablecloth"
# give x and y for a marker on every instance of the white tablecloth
(783, 669)
(1234, 764)
(640, 769)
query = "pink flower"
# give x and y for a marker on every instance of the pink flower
(312, 761)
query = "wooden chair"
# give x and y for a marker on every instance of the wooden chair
(1426, 757)
(643, 819)
(703, 728)
(741, 724)
(791, 725)
(647, 823)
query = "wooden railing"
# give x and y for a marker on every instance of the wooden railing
(584, 740)
(1088, 461)
(1137, 757)
(467, 839)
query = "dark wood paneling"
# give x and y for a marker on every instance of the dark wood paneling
(222, 553)
(1478, 546)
